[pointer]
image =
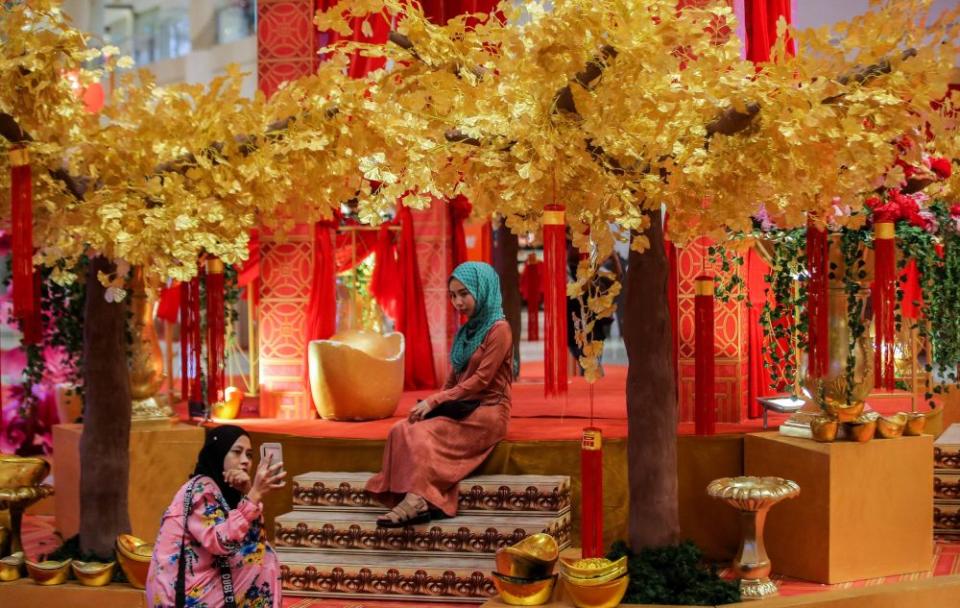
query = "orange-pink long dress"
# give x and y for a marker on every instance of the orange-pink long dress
(430, 457)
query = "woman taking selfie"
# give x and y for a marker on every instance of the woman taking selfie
(451, 432)
(211, 549)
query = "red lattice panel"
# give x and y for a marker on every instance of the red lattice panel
(287, 42)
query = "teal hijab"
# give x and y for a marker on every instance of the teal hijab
(483, 283)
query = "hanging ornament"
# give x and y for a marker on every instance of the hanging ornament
(818, 356)
(555, 300)
(705, 418)
(21, 210)
(591, 492)
(216, 332)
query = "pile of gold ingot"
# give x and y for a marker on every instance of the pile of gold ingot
(524, 575)
(863, 426)
(594, 582)
(134, 556)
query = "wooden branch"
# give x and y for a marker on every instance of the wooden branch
(563, 99)
(11, 130)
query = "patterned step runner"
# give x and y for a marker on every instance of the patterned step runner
(946, 483)
(387, 577)
(519, 494)
(464, 534)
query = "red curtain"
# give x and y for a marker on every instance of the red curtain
(673, 301)
(379, 27)
(169, 304)
(761, 26)
(322, 306)
(386, 284)
(759, 378)
(531, 287)
(460, 209)
(419, 372)
(365, 242)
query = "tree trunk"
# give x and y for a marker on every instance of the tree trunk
(651, 398)
(506, 247)
(104, 446)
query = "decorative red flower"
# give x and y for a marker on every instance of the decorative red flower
(941, 166)
(955, 210)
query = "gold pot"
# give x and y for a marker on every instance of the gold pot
(889, 427)
(863, 429)
(49, 572)
(93, 574)
(607, 595)
(11, 567)
(824, 428)
(916, 422)
(524, 592)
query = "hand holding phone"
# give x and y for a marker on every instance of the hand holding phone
(270, 473)
(271, 453)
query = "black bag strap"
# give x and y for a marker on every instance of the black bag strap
(223, 564)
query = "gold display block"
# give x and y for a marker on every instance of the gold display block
(161, 459)
(864, 511)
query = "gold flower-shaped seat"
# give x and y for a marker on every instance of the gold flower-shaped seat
(357, 375)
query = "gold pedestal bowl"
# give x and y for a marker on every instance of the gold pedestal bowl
(49, 572)
(20, 486)
(11, 567)
(93, 574)
(134, 556)
(357, 375)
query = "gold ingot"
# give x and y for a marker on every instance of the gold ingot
(93, 574)
(22, 472)
(524, 592)
(49, 572)
(607, 595)
(594, 581)
(572, 567)
(863, 429)
(916, 422)
(532, 558)
(134, 556)
(357, 375)
(225, 410)
(11, 567)
(844, 412)
(889, 427)
(824, 428)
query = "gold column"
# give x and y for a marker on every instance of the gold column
(146, 358)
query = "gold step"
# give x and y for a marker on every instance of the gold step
(358, 531)
(518, 494)
(358, 575)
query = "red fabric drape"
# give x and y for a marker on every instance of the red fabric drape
(759, 378)
(365, 242)
(460, 209)
(216, 332)
(379, 27)
(761, 26)
(168, 306)
(673, 301)
(555, 301)
(386, 283)
(486, 242)
(419, 372)
(322, 305)
(21, 211)
(531, 287)
(705, 415)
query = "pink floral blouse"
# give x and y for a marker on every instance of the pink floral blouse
(213, 529)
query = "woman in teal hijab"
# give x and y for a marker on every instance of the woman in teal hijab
(449, 433)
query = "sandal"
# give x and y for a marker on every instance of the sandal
(406, 513)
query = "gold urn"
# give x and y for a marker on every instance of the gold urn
(146, 358)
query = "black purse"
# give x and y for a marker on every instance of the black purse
(457, 410)
(223, 563)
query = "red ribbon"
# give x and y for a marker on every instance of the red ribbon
(705, 417)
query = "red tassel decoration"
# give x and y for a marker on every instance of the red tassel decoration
(21, 210)
(555, 300)
(705, 417)
(190, 386)
(185, 338)
(885, 300)
(32, 324)
(591, 492)
(216, 332)
(818, 354)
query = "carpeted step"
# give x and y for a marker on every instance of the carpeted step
(358, 531)
(520, 494)
(460, 579)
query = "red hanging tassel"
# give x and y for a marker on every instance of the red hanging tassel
(21, 210)
(818, 354)
(185, 299)
(555, 300)
(33, 322)
(216, 332)
(705, 415)
(884, 298)
(190, 345)
(591, 492)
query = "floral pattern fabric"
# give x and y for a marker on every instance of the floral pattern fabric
(213, 530)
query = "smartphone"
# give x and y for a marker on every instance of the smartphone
(274, 451)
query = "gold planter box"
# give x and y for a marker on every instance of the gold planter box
(829, 534)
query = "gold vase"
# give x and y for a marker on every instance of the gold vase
(146, 358)
(753, 497)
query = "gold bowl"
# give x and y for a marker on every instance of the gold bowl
(93, 574)
(522, 591)
(607, 595)
(49, 572)
(824, 429)
(593, 567)
(20, 471)
(532, 558)
(889, 427)
(863, 429)
(11, 567)
(916, 421)
(134, 556)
